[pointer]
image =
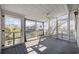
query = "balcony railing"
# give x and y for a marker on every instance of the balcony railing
(12, 38)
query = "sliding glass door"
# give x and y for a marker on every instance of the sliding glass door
(12, 30)
(33, 29)
(30, 29)
(40, 28)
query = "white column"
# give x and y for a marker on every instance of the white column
(22, 30)
(56, 28)
(68, 24)
(76, 14)
(77, 30)
(48, 26)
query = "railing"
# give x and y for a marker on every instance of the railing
(12, 38)
(32, 35)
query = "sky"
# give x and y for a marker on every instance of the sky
(16, 21)
(30, 23)
(10, 20)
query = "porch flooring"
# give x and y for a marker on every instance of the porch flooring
(46, 45)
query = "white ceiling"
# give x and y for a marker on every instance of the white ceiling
(73, 6)
(37, 11)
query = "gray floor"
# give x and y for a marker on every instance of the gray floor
(18, 49)
(47, 45)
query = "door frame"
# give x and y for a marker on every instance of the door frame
(25, 40)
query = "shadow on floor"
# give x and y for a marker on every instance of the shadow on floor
(46, 45)
(18, 49)
(55, 46)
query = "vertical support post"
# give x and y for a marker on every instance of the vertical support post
(76, 16)
(77, 27)
(62, 35)
(43, 28)
(56, 28)
(13, 38)
(25, 40)
(49, 26)
(36, 28)
(23, 37)
(68, 26)
(0, 29)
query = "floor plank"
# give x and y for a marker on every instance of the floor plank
(47, 45)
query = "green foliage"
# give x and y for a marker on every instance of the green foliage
(10, 29)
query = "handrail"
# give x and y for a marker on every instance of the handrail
(12, 32)
(13, 36)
